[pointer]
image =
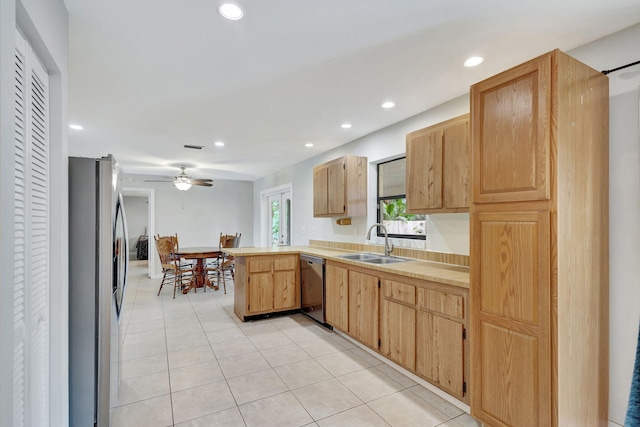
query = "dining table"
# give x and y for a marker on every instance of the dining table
(200, 254)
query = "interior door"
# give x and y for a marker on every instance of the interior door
(279, 218)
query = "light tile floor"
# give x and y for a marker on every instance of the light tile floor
(190, 362)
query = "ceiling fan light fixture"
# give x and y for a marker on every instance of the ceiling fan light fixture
(182, 185)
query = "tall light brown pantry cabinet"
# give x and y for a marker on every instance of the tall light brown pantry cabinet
(539, 245)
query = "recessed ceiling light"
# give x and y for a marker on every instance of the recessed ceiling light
(76, 127)
(346, 125)
(219, 144)
(231, 11)
(308, 145)
(388, 104)
(473, 61)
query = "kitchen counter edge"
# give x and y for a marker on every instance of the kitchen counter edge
(447, 274)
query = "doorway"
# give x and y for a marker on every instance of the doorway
(146, 196)
(276, 215)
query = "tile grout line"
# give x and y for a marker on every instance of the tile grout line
(166, 343)
(199, 308)
(217, 361)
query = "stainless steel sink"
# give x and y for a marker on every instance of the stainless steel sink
(384, 260)
(373, 258)
(360, 257)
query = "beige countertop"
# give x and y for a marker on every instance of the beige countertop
(448, 274)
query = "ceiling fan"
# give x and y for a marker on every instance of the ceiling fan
(183, 182)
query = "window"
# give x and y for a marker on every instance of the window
(392, 203)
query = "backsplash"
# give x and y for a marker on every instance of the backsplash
(462, 260)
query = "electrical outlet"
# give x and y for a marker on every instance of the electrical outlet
(355, 231)
(303, 229)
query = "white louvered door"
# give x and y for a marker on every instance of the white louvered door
(31, 277)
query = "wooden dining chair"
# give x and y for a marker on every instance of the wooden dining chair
(172, 271)
(224, 263)
(182, 262)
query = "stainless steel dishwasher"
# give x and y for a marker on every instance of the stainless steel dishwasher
(312, 286)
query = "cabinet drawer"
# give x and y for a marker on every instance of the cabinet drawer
(441, 302)
(259, 265)
(285, 263)
(400, 291)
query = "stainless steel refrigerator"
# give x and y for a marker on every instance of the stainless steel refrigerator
(97, 283)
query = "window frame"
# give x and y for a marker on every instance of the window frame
(380, 199)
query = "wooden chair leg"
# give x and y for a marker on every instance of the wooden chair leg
(224, 282)
(164, 277)
(175, 284)
(161, 283)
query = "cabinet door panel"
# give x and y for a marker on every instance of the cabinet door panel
(400, 291)
(511, 133)
(260, 292)
(260, 265)
(451, 305)
(512, 264)
(511, 308)
(424, 170)
(363, 308)
(398, 333)
(336, 188)
(337, 297)
(284, 290)
(285, 263)
(510, 373)
(456, 167)
(439, 354)
(320, 195)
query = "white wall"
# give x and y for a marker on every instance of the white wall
(136, 209)
(45, 25)
(450, 232)
(445, 232)
(624, 241)
(624, 206)
(200, 214)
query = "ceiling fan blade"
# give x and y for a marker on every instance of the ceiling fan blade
(202, 184)
(157, 180)
(201, 181)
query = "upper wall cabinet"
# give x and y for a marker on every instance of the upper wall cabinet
(438, 163)
(340, 187)
(511, 132)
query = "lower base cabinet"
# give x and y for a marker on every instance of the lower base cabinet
(398, 323)
(421, 325)
(440, 352)
(337, 297)
(363, 308)
(266, 284)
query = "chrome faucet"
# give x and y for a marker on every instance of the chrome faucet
(387, 249)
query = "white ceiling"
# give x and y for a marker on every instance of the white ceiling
(149, 76)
